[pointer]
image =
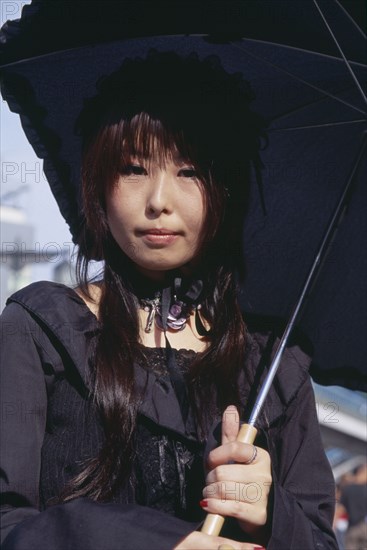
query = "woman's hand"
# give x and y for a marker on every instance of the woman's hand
(234, 488)
(201, 541)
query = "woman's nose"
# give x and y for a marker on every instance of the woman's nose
(159, 199)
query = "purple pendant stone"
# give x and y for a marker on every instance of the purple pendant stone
(175, 310)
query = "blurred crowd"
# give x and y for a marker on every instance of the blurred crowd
(350, 522)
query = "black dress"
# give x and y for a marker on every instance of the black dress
(50, 428)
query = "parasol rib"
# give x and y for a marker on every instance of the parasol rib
(350, 18)
(359, 87)
(297, 78)
(324, 125)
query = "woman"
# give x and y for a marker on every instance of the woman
(122, 382)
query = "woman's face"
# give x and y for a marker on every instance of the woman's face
(156, 214)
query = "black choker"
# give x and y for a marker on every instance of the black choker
(177, 316)
(172, 307)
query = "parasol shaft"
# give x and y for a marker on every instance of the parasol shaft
(214, 522)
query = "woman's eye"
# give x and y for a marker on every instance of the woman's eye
(188, 173)
(133, 170)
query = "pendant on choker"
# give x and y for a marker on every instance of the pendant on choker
(177, 317)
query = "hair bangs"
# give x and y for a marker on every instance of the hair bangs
(153, 141)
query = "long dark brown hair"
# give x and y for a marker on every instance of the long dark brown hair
(155, 106)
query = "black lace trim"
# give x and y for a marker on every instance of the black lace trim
(156, 360)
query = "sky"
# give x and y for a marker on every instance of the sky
(23, 183)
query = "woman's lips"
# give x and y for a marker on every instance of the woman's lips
(160, 237)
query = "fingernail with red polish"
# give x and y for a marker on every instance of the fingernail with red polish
(203, 503)
(259, 548)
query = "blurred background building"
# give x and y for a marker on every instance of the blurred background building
(21, 253)
(342, 417)
(16, 236)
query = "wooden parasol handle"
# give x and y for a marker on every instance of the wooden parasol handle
(214, 522)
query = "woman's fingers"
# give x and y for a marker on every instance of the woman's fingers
(240, 473)
(249, 491)
(234, 488)
(230, 424)
(253, 512)
(201, 541)
(235, 451)
(239, 478)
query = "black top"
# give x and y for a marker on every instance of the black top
(49, 426)
(167, 470)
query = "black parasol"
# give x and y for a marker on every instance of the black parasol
(305, 61)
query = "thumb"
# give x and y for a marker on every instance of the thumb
(230, 424)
